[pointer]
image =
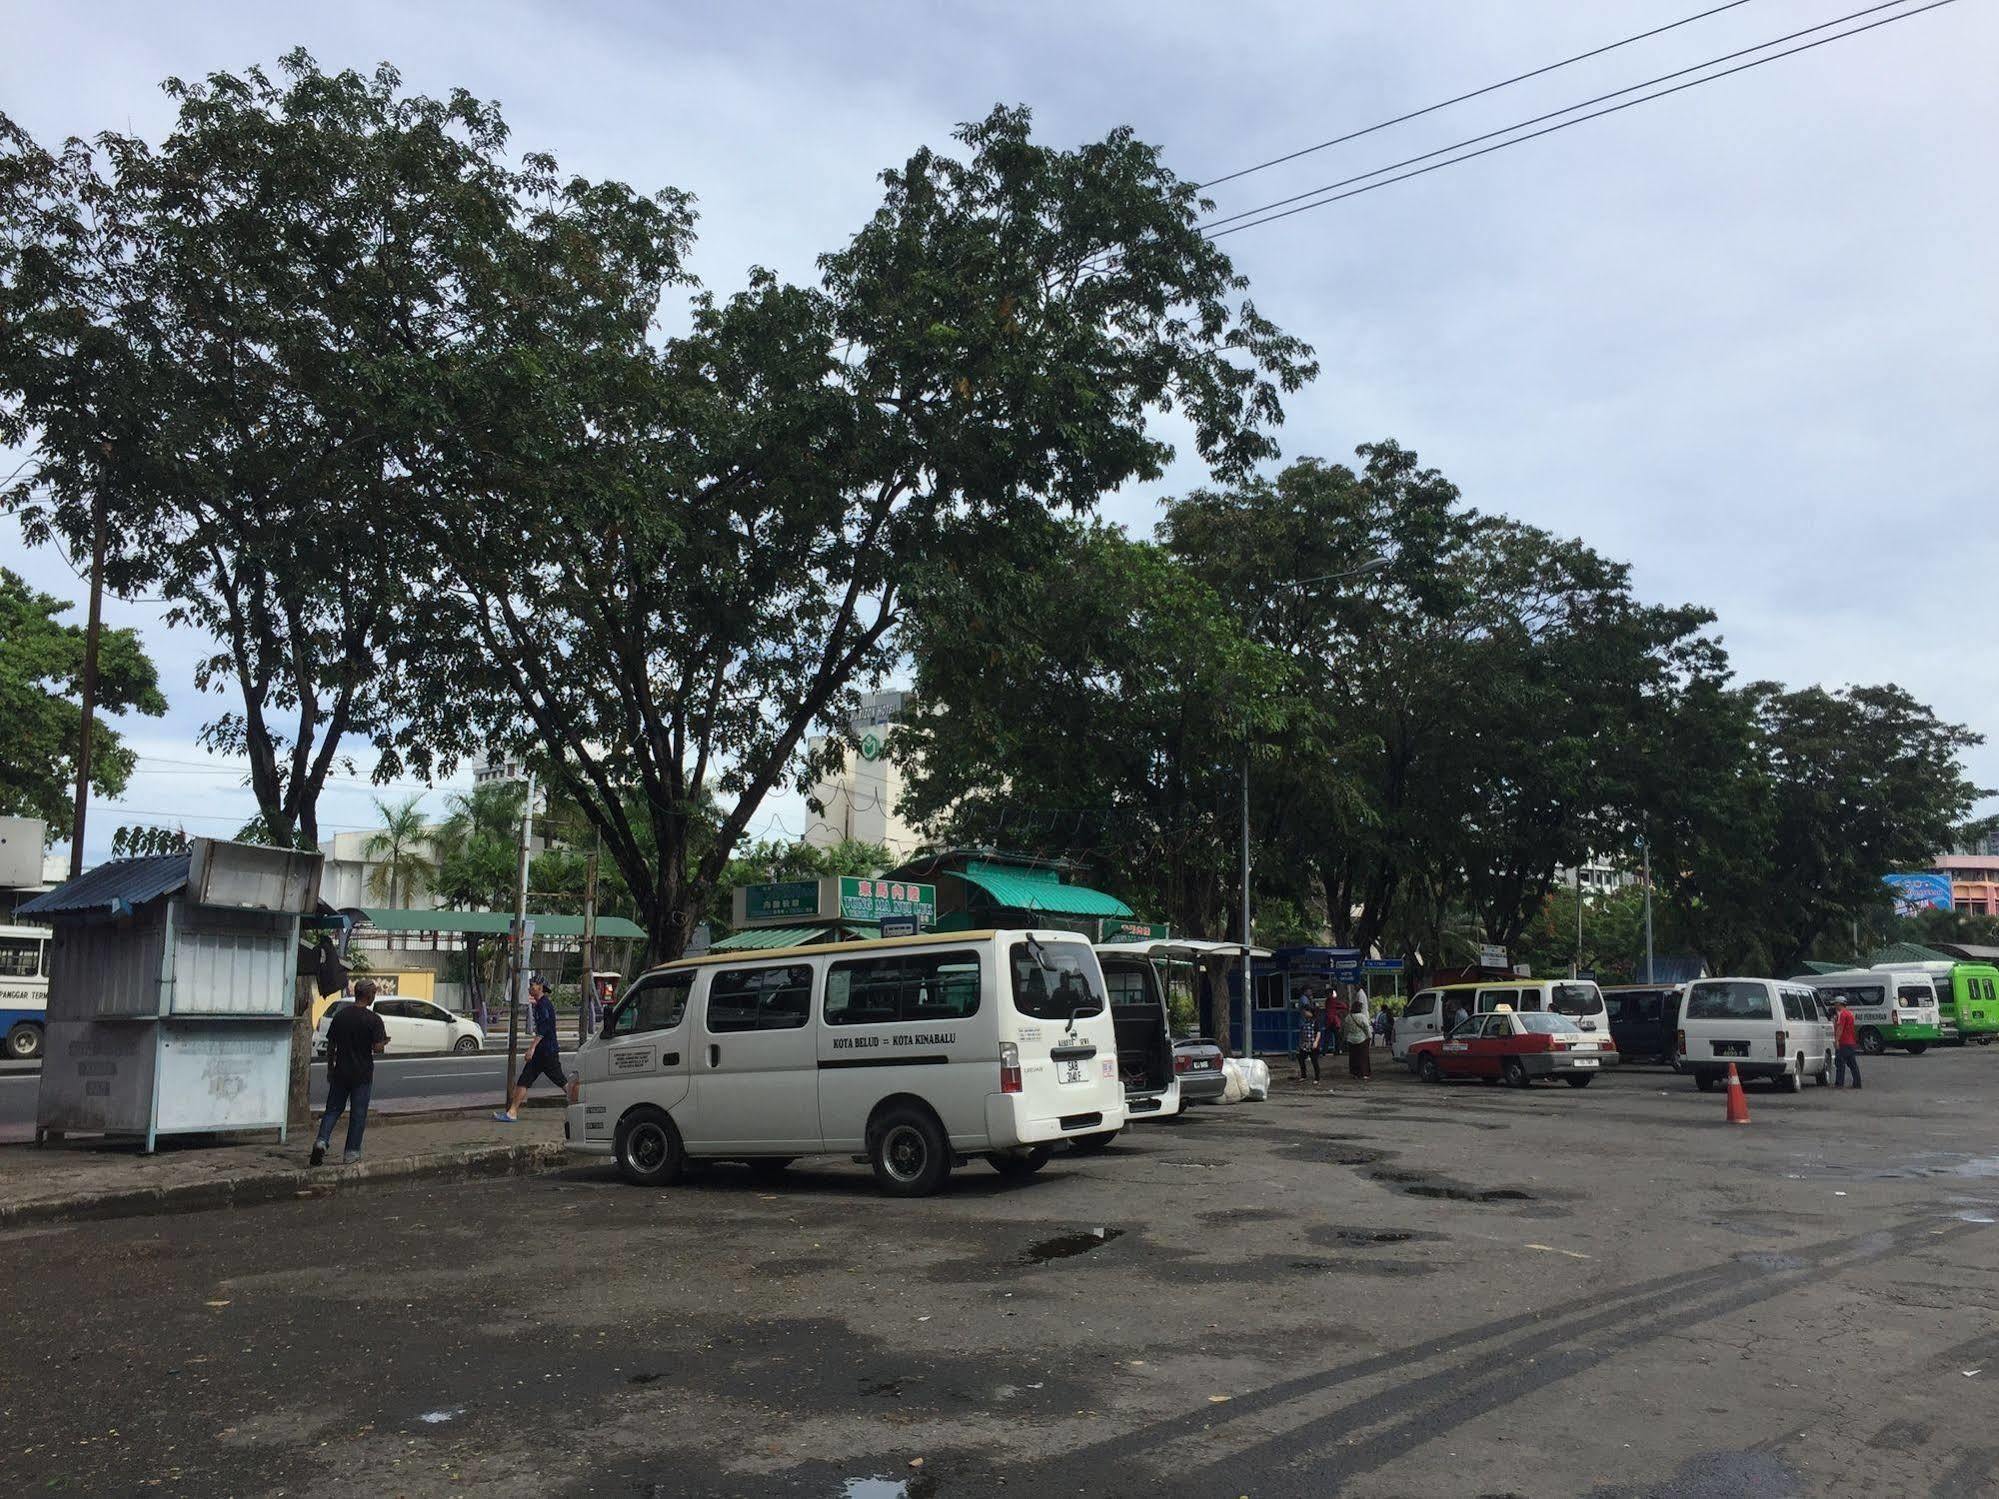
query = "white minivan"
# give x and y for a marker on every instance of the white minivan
(1764, 1027)
(913, 1054)
(1432, 1012)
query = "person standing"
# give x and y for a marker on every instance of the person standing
(353, 1037)
(1308, 1036)
(1336, 1018)
(1388, 1030)
(1360, 1046)
(1845, 1045)
(544, 1058)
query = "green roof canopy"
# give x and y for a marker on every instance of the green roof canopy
(492, 923)
(1019, 892)
(763, 938)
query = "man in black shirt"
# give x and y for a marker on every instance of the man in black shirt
(353, 1037)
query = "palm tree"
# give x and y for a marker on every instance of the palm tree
(402, 868)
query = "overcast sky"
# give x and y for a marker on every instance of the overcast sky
(1742, 337)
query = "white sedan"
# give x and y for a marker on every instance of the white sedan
(414, 1025)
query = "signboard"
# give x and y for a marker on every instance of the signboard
(1919, 892)
(1383, 965)
(786, 900)
(1111, 930)
(1347, 970)
(884, 900)
(1523, 970)
(899, 926)
(1491, 957)
(699, 941)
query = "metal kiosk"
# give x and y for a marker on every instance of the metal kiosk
(171, 983)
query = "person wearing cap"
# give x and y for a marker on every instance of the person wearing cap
(544, 1057)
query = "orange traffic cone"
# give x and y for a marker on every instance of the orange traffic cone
(1738, 1106)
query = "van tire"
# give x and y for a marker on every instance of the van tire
(1917, 1048)
(648, 1148)
(1515, 1073)
(1093, 1144)
(1871, 1042)
(24, 1041)
(1825, 1072)
(1426, 1069)
(1024, 1163)
(908, 1151)
(1580, 1080)
(1705, 1081)
(1793, 1082)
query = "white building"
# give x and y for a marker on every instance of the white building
(1600, 877)
(860, 794)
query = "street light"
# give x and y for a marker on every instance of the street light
(1373, 564)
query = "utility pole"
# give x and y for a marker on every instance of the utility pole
(586, 990)
(523, 935)
(89, 704)
(1576, 968)
(1248, 992)
(1646, 846)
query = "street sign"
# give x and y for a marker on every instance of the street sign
(899, 926)
(1490, 956)
(1383, 965)
(783, 900)
(879, 900)
(1112, 930)
(1523, 970)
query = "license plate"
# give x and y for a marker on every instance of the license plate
(1072, 1072)
(1200, 1066)
(1582, 1061)
(1731, 1048)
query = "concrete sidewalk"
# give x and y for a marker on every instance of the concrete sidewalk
(92, 1178)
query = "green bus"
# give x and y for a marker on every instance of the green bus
(1967, 996)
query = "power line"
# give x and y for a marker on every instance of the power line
(1417, 114)
(1355, 192)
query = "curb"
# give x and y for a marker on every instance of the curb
(280, 1186)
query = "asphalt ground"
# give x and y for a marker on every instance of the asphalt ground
(448, 1080)
(1390, 1290)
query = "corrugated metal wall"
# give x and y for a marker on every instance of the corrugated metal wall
(228, 964)
(108, 969)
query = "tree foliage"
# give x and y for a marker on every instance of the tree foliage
(41, 681)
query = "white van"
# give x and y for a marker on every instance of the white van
(1144, 1030)
(1889, 1009)
(1765, 1027)
(913, 1054)
(1432, 1012)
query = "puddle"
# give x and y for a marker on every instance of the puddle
(879, 1486)
(644, 1378)
(1362, 1238)
(1967, 1216)
(1418, 1184)
(438, 1418)
(1068, 1246)
(891, 1387)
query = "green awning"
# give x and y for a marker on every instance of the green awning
(492, 923)
(1015, 892)
(763, 938)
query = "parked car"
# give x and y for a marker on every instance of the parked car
(1764, 1027)
(1432, 1012)
(1515, 1047)
(414, 1026)
(1197, 1062)
(1643, 1018)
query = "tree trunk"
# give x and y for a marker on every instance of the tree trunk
(298, 1096)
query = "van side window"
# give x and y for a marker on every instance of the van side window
(759, 999)
(1423, 1004)
(1492, 998)
(902, 986)
(1793, 1008)
(656, 1003)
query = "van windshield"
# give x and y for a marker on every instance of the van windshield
(1055, 980)
(1576, 999)
(1727, 1001)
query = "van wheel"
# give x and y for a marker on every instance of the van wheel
(1019, 1163)
(1793, 1082)
(1871, 1042)
(1825, 1073)
(648, 1148)
(909, 1153)
(1580, 1080)
(1515, 1073)
(1426, 1069)
(1705, 1081)
(1093, 1144)
(1917, 1048)
(24, 1041)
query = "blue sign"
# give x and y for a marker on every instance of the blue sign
(1346, 970)
(1919, 892)
(1383, 965)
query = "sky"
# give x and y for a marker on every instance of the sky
(1740, 337)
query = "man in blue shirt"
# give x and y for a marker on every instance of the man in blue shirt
(544, 1057)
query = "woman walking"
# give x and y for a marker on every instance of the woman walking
(1308, 1036)
(1360, 1046)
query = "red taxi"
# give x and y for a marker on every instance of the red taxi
(1517, 1047)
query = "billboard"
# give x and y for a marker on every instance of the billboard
(1928, 891)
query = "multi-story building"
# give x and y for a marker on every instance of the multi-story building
(858, 796)
(1974, 881)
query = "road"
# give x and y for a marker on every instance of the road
(1375, 1291)
(466, 1080)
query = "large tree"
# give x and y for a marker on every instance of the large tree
(41, 676)
(690, 554)
(259, 345)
